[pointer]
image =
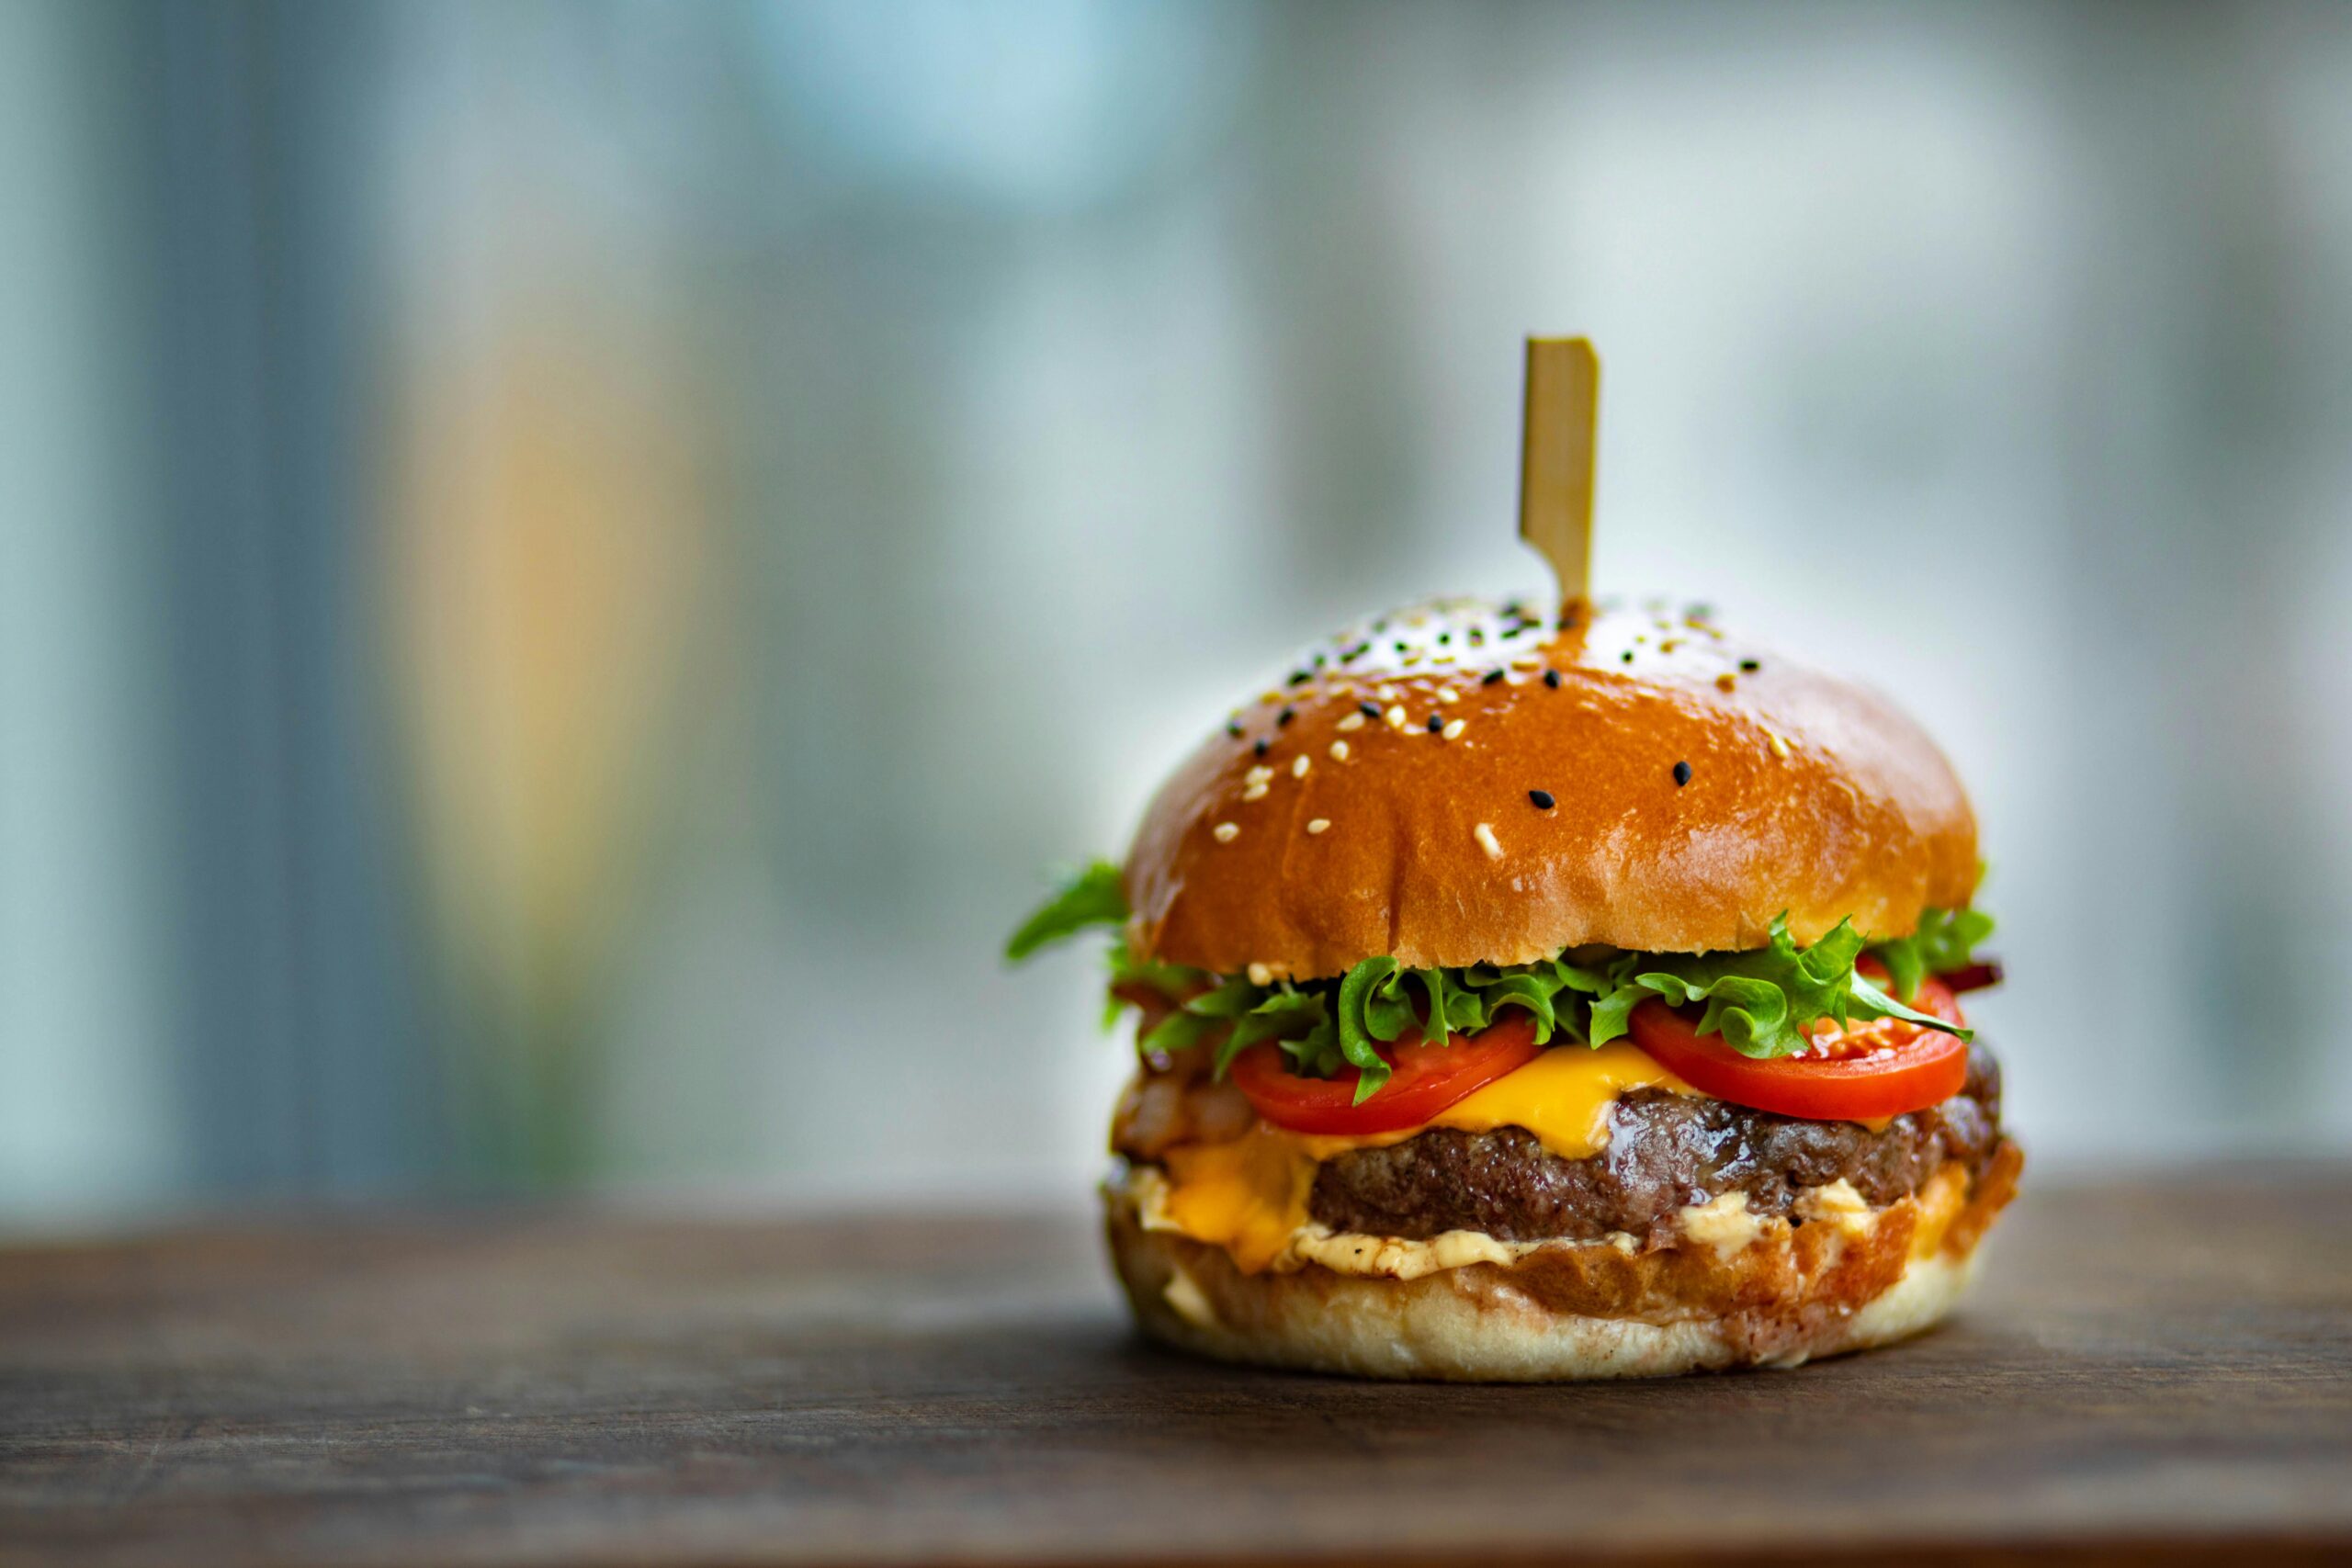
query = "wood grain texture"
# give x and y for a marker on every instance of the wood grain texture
(2153, 1371)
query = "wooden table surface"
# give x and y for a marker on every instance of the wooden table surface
(2154, 1370)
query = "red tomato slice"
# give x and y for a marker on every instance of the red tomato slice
(1425, 1080)
(1881, 1067)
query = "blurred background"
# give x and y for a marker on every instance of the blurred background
(567, 571)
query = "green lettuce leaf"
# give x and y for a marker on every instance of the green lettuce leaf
(1374, 1011)
(1289, 1016)
(1759, 1000)
(1095, 897)
(1946, 939)
(1130, 973)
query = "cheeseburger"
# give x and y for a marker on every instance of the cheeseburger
(1529, 996)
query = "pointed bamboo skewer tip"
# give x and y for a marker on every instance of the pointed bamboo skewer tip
(1556, 456)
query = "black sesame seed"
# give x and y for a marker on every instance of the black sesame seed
(1542, 797)
(1627, 656)
(1260, 747)
(1234, 730)
(1401, 645)
(1370, 710)
(1552, 679)
(1284, 718)
(1749, 666)
(1477, 636)
(1436, 724)
(1301, 677)
(1681, 775)
(1490, 677)
(1444, 637)
(1317, 662)
(1358, 651)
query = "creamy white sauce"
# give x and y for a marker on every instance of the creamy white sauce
(1723, 1225)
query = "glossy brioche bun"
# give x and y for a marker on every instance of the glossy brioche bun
(1583, 1311)
(1804, 794)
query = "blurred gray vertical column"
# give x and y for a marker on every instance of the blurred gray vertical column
(2205, 417)
(306, 1065)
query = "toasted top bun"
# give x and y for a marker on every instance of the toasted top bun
(1797, 793)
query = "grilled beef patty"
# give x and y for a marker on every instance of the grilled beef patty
(1664, 1151)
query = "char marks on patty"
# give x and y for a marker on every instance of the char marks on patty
(1666, 1151)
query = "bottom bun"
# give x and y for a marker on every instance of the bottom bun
(1575, 1310)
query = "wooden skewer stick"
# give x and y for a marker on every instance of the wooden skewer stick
(1556, 458)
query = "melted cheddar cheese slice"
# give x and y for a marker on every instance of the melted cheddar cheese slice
(1249, 1195)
